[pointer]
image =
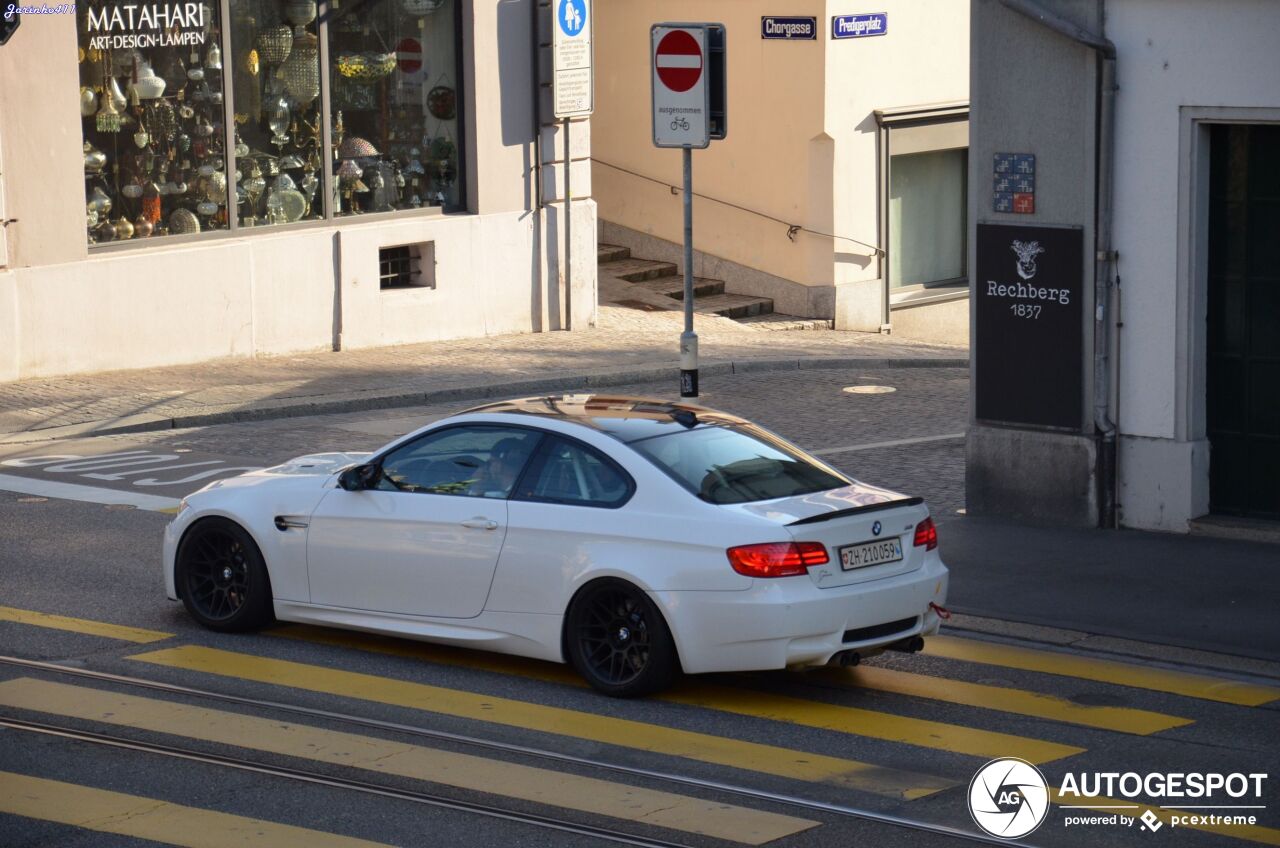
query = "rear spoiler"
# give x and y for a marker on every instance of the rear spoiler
(855, 510)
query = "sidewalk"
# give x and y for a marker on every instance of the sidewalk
(1195, 592)
(628, 347)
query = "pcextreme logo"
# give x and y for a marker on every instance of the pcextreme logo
(1008, 798)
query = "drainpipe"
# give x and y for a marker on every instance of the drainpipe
(535, 91)
(1105, 256)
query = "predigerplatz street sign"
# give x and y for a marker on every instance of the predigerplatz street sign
(573, 81)
(859, 26)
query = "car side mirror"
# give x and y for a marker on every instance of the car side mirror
(359, 478)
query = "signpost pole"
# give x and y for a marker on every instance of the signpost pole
(568, 231)
(688, 339)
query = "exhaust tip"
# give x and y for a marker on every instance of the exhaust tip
(910, 645)
(846, 659)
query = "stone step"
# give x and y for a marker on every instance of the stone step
(673, 286)
(635, 270)
(779, 321)
(734, 305)
(611, 253)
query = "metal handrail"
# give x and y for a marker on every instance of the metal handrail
(792, 229)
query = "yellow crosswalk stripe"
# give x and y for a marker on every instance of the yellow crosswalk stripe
(749, 756)
(147, 818)
(746, 702)
(999, 698)
(1105, 671)
(870, 723)
(81, 625)
(1247, 832)
(542, 786)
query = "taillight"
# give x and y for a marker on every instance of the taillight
(926, 534)
(777, 559)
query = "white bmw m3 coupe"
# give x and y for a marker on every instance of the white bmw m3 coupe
(631, 537)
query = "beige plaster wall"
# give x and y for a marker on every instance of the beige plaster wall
(41, 163)
(277, 294)
(922, 60)
(776, 158)
(501, 99)
(802, 142)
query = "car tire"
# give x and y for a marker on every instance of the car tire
(222, 577)
(617, 639)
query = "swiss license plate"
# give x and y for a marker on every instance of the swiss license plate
(870, 553)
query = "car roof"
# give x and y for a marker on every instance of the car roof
(625, 417)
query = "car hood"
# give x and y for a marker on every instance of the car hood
(305, 472)
(317, 464)
(787, 510)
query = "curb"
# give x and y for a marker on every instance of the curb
(1212, 660)
(361, 401)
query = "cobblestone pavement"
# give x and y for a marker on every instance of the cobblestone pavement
(400, 376)
(808, 407)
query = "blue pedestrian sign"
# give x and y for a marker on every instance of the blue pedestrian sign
(572, 57)
(572, 16)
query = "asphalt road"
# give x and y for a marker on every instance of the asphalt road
(419, 726)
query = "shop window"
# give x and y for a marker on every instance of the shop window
(191, 126)
(924, 197)
(927, 217)
(393, 71)
(151, 90)
(275, 75)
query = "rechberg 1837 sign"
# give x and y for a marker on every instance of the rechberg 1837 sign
(1029, 329)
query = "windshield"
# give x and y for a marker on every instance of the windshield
(733, 464)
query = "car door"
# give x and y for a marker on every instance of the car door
(425, 539)
(563, 517)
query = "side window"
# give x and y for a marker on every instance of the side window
(477, 461)
(571, 473)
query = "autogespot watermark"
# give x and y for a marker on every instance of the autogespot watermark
(1009, 798)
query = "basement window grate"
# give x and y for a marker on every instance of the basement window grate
(407, 266)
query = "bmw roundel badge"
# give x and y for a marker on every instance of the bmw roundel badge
(875, 529)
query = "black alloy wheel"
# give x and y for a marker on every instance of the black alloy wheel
(222, 578)
(618, 640)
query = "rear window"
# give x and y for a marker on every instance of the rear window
(737, 464)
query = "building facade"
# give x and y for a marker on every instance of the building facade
(1151, 133)
(839, 191)
(188, 180)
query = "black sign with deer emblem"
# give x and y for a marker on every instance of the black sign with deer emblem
(1029, 330)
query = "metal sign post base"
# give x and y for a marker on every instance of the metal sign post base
(688, 339)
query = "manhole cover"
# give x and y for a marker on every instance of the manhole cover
(869, 390)
(121, 506)
(32, 500)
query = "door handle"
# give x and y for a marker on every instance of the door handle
(480, 524)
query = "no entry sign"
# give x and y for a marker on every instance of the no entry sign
(409, 55)
(681, 104)
(678, 60)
